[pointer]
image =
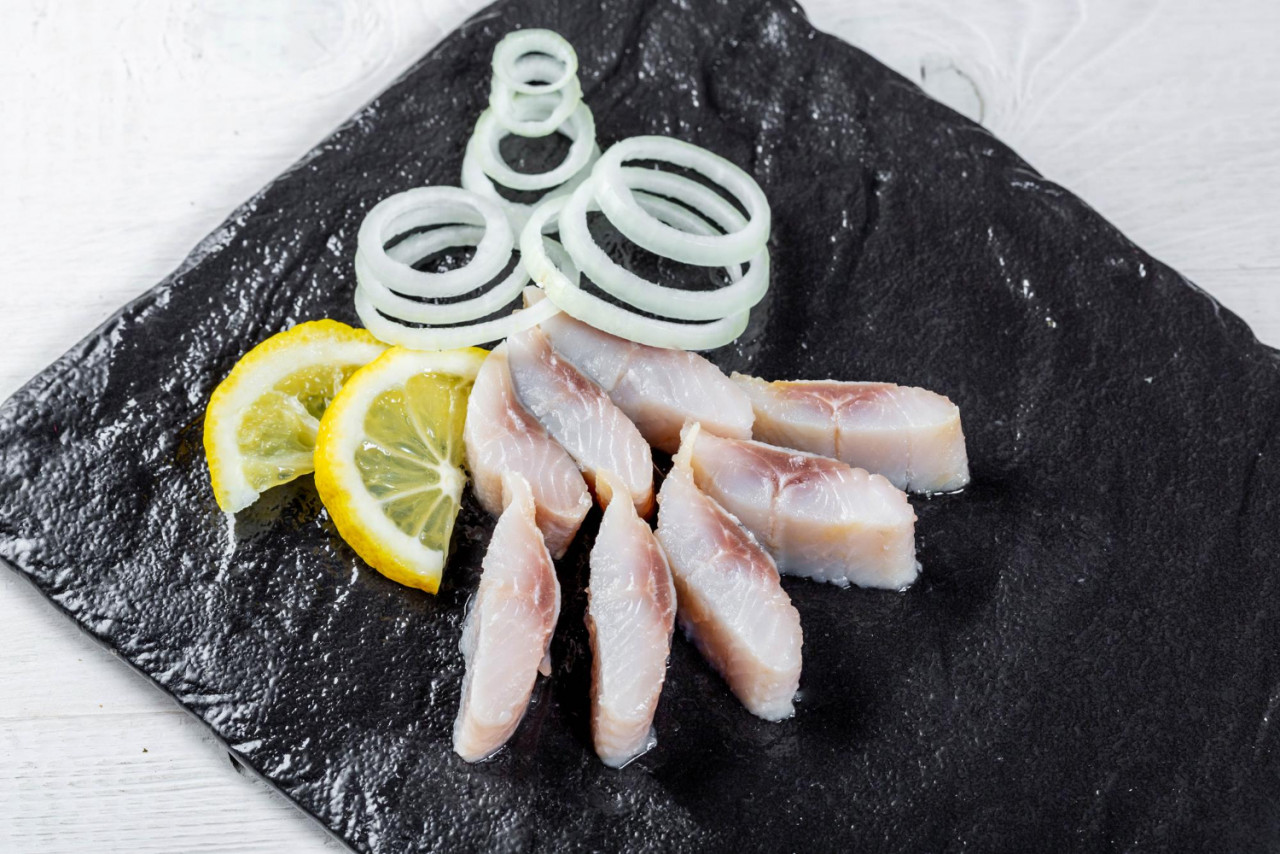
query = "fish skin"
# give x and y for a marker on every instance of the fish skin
(501, 437)
(631, 608)
(507, 633)
(818, 517)
(581, 418)
(657, 388)
(910, 435)
(730, 598)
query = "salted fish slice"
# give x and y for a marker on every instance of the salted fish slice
(631, 609)
(817, 516)
(507, 633)
(579, 415)
(730, 597)
(657, 388)
(910, 435)
(502, 437)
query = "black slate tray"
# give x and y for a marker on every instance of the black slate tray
(1089, 661)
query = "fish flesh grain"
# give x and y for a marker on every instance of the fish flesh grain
(502, 437)
(657, 388)
(817, 517)
(912, 436)
(580, 416)
(730, 598)
(507, 632)
(631, 609)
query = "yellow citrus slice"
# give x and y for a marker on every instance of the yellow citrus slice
(260, 425)
(389, 459)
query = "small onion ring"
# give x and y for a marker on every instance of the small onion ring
(505, 104)
(449, 337)
(423, 245)
(565, 291)
(474, 179)
(626, 214)
(426, 206)
(521, 43)
(580, 127)
(742, 293)
(453, 337)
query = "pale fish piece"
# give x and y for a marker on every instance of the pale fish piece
(507, 633)
(631, 609)
(910, 435)
(658, 389)
(580, 416)
(818, 517)
(502, 437)
(731, 601)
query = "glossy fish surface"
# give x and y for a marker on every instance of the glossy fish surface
(502, 437)
(912, 436)
(818, 517)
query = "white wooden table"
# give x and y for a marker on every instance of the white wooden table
(128, 130)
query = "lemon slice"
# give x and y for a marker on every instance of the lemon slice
(260, 425)
(389, 459)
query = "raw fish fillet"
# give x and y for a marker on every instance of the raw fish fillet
(658, 389)
(580, 416)
(912, 436)
(508, 629)
(731, 601)
(818, 517)
(502, 437)
(631, 610)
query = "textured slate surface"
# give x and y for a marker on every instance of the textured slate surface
(1089, 661)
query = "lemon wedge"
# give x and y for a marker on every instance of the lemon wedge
(260, 425)
(389, 459)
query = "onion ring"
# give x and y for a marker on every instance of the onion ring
(565, 291)
(742, 293)
(626, 214)
(411, 311)
(521, 43)
(579, 127)
(506, 103)
(427, 206)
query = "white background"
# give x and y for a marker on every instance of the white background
(128, 130)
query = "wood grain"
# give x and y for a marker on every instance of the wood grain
(132, 128)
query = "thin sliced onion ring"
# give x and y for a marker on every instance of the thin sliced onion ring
(423, 245)
(508, 106)
(580, 127)
(565, 291)
(741, 294)
(521, 43)
(626, 214)
(474, 179)
(449, 337)
(428, 206)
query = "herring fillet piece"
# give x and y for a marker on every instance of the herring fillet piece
(507, 632)
(910, 435)
(580, 416)
(631, 609)
(501, 437)
(818, 517)
(658, 389)
(730, 598)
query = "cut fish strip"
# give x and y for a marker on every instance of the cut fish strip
(657, 388)
(502, 437)
(731, 601)
(910, 435)
(507, 633)
(580, 416)
(631, 607)
(818, 517)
